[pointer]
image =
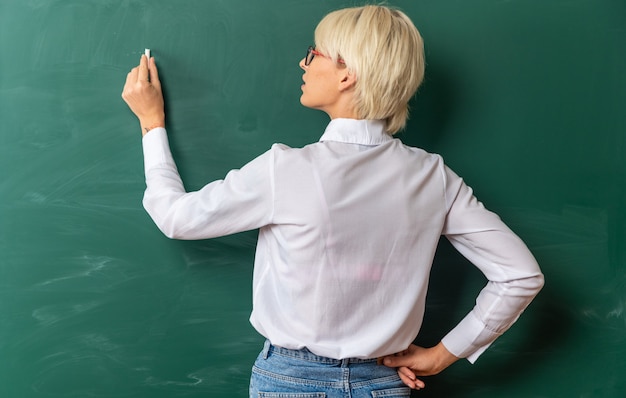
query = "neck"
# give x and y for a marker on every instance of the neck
(342, 110)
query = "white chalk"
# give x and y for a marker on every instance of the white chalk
(148, 53)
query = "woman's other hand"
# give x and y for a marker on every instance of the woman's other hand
(419, 361)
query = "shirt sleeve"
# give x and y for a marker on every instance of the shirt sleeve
(514, 277)
(242, 201)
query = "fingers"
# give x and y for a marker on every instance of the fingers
(413, 384)
(130, 79)
(396, 361)
(409, 379)
(143, 73)
(406, 372)
(129, 86)
(407, 357)
(154, 74)
(142, 76)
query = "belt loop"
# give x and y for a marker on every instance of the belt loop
(266, 349)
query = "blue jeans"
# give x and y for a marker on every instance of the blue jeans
(283, 373)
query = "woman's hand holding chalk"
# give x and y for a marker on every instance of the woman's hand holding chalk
(142, 93)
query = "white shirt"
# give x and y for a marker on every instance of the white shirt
(348, 231)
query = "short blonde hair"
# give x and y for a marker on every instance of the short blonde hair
(384, 49)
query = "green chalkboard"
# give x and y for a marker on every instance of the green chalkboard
(524, 99)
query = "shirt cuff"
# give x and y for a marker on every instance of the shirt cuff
(469, 339)
(156, 149)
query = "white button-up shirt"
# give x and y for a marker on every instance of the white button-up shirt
(348, 231)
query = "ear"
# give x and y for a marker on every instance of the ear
(348, 80)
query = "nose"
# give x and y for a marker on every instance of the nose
(302, 65)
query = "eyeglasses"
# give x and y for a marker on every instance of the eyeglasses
(311, 53)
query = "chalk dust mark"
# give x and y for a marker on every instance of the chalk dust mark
(95, 264)
(52, 314)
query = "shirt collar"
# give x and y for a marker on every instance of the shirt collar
(353, 131)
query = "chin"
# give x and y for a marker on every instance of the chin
(307, 103)
(303, 101)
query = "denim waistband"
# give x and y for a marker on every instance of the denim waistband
(306, 355)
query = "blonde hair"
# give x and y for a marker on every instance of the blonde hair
(383, 48)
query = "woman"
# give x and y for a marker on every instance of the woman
(348, 225)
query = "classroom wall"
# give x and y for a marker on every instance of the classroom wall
(524, 99)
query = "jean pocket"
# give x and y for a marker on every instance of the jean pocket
(292, 395)
(392, 393)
